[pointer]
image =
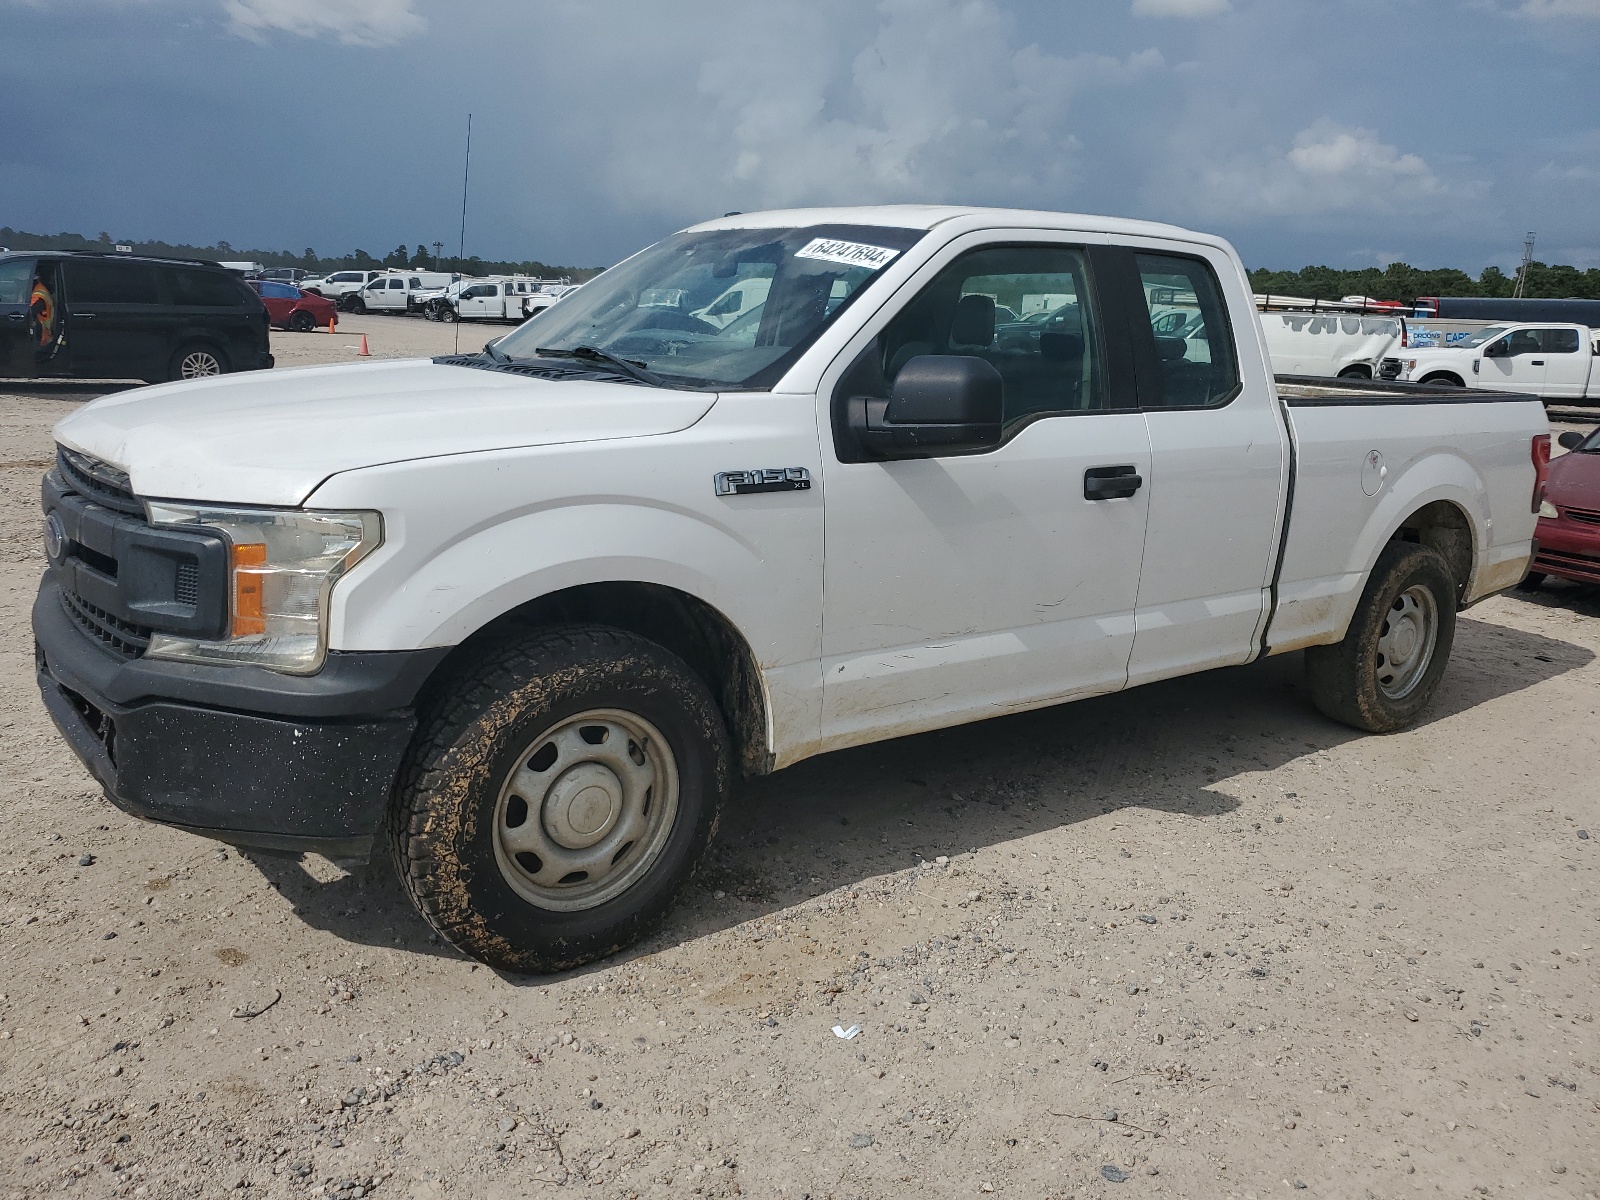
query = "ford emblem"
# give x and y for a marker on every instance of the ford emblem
(55, 537)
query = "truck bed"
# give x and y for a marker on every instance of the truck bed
(1354, 470)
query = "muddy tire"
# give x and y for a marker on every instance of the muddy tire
(1393, 655)
(557, 796)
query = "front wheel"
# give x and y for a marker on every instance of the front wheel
(1532, 581)
(558, 796)
(1384, 672)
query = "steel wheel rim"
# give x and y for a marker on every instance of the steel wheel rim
(586, 810)
(198, 364)
(1406, 644)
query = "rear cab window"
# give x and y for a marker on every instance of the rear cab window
(1196, 364)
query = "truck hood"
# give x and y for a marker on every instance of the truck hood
(271, 437)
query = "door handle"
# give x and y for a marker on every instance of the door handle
(82, 316)
(1538, 362)
(16, 316)
(1111, 483)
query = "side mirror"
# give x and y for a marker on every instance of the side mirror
(1500, 349)
(1570, 440)
(941, 404)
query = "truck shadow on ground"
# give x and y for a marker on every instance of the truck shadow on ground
(859, 813)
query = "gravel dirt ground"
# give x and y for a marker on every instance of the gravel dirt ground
(1189, 941)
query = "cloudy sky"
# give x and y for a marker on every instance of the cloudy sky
(1346, 132)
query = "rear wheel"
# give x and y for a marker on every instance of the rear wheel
(558, 796)
(1384, 672)
(197, 361)
(301, 321)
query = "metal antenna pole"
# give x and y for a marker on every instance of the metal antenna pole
(1527, 262)
(466, 174)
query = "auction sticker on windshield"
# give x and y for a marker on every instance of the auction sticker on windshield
(855, 254)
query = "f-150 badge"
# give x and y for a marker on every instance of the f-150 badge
(768, 479)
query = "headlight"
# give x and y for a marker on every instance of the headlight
(282, 565)
(1546, 509)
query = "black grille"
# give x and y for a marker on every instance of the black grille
(187, 589)
(97, 481)
(1389, 368)
(123, 637)
(1587, 516)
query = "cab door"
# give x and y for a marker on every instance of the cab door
(1566, 366)
(1219, 462)
(1514, 362)
(966, 586)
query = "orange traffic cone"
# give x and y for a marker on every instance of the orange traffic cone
(331, 321)
(365, 353)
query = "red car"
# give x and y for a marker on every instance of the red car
(1569, 518)
(290, 308)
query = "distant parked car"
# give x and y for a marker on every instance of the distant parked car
(121, 316)
(290, 308)
(1568, 537)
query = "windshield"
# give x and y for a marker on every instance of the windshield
(1482, 336)
(723, 308)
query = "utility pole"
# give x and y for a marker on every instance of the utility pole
(1527, 261)
(438, 249)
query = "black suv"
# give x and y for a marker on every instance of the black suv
(104, 316)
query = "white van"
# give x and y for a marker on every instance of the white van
(1332, 345)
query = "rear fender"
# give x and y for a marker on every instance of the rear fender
(1317, 611)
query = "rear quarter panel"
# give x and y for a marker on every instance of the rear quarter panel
(1473, 455)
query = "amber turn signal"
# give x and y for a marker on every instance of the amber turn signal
(249, 561)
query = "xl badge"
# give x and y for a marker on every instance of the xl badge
(768, 479)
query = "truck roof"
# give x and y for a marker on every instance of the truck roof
(926, 216)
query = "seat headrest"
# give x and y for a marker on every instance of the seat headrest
(974, 322)
(1170, 348)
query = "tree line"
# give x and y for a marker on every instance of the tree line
(421, 257)
(1399, 281)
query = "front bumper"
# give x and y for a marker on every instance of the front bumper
(1568, 548)
(240, 754)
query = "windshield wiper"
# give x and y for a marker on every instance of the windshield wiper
(494, 352)
(633, 370)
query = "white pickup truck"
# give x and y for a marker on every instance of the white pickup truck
(1556, 362)
(339, 284)
(397, 291)
(527, 614)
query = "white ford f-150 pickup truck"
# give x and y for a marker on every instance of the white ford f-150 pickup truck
(1557, 362)
(526, 614)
